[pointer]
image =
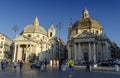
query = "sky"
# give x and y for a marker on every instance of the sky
(21, 13)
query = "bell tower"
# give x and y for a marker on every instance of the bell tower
(51, 31)
(85, 13)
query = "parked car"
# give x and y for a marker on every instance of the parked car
(35, 65)
(106, 63)
(83, 63)
(117, 62)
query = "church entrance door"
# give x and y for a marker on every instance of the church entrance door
(85, 56)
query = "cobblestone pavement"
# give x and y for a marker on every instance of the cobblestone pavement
(55, 73)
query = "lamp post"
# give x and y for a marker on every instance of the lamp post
(15, 28)
(60, 25)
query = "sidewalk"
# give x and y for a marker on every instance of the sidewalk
(100, 68)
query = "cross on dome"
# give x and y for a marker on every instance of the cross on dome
(36, 21)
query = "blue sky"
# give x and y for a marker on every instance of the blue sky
(22, 13)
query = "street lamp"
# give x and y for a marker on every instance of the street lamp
(60, 25)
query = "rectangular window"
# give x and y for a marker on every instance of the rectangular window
(76, 31)
(2, 38)
(96, 32)
(1, 46)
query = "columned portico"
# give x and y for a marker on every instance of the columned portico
(23, 51)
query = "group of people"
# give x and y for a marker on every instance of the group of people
(20, 65)
(71, 64)
(3, 64)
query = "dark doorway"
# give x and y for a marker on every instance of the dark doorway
(86, 56)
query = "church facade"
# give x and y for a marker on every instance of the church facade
(86, 41)
(35, 42)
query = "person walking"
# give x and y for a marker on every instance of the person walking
(88, 66)
(42, 65)
(21, 64)
(2, 64)
(15, 64)
(60, 64)
(45, 62)
(71, 67)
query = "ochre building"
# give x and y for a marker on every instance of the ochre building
(86, 41)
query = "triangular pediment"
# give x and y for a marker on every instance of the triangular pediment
(20, 38)
(86, 34)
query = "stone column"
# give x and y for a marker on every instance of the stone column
(15, 52)
(75, 53)
(94, 52)
(19, 53)
(26, 57)
(90, 51)
(72, 52)
(34, 50)
(79, 52)
(30, 49)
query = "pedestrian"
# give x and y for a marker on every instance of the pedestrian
(45, 62)
(42, 65)
(21, 64)
(60, 64)
(71, 67)
(2, 64)
(88, 66)
(15, 64)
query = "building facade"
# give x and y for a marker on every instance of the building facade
(5, 44)
(86, 41)
(35, 43)
(58, 46)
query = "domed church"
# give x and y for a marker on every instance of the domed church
(34, 41)
(86, 41)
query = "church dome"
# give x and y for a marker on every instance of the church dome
(86, 21)
(34, 28)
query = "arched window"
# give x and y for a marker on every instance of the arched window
(50, 34)
(29, 35)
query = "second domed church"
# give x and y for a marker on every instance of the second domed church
(86, 41)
